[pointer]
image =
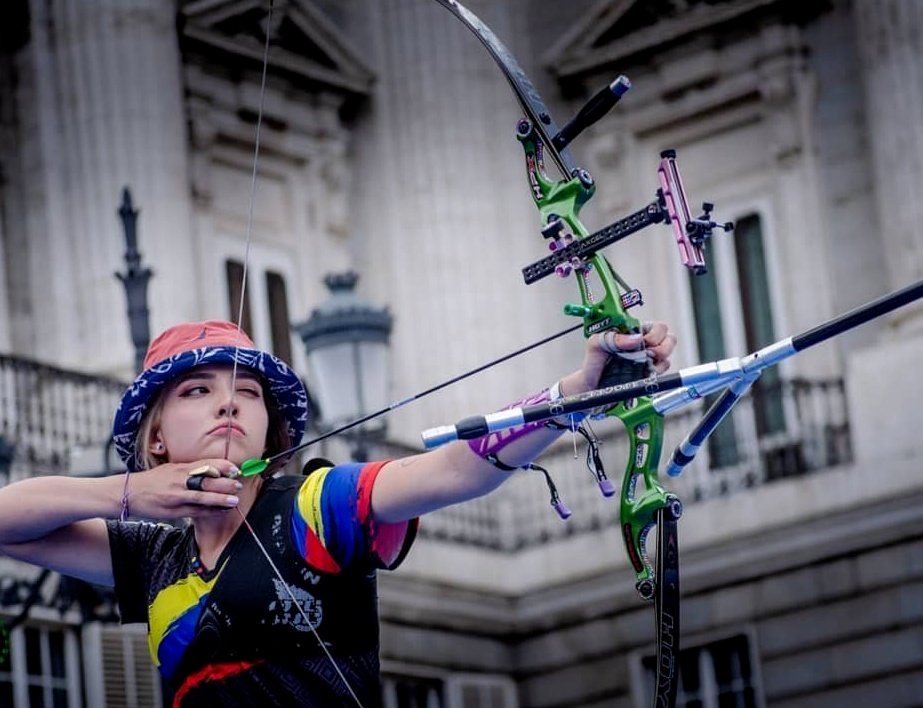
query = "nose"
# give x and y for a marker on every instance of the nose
(227, 407)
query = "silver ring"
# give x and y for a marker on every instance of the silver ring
(194, 483)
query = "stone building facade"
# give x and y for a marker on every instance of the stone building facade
(387, 146)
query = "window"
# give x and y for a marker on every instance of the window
(709, 329)
(234, 271)
(411, 692)
(265, 314)
(733, 312)
(118, 667)
(452, 690)
(720, 674)
(757, 319)
(41, 669)
(279, 326)
(480, 691)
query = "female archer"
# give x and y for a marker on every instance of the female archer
(225, 626)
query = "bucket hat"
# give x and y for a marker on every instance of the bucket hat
(191, 344)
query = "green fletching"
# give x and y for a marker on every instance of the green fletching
(252, 467)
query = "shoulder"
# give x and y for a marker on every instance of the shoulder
(146, 538)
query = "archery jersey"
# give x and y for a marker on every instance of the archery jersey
(232, 635)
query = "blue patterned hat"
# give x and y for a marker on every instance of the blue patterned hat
(185, 346)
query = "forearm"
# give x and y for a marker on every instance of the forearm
(33, 508)
(457, 472)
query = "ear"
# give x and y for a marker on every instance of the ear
(157, 445)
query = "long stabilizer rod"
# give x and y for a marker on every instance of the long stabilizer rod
(719, 373)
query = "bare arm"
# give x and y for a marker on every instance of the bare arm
(422, 483)
(57, 522)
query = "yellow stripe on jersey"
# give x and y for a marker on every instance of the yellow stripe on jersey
(309, 502)
(172, 606)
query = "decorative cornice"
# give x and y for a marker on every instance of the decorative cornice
(304, 42)
(625, 32)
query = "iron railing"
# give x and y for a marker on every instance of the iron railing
(796, 427)
(810, 433)
(48, 415)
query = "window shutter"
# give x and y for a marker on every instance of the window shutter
(479, 691)
(124, 676)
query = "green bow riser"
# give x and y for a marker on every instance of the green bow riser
(602, 311)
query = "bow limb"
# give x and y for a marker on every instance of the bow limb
(604, 302)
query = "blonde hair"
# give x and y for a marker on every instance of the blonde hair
(149, 423)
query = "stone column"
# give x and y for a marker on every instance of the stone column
(883, 406)
(102, 105)
(890, 40)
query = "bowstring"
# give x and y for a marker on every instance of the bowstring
(240, 316)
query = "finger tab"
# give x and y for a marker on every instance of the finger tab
(204, 471)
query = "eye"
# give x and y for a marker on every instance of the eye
(193, 390)
(254, 391)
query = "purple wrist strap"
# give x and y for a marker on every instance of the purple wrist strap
(494, 442)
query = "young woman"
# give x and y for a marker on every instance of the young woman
(225, 626)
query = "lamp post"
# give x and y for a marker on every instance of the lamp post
(347, 345)
(135, 280)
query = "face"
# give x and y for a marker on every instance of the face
(202, 417)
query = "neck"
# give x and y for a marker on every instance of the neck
(214, 531)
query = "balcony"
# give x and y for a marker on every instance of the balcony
(795, 428)
(48, 415)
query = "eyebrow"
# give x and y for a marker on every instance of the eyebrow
(206, 375)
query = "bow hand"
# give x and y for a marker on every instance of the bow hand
(613, 357)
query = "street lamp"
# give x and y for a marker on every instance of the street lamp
(347, 345)
(135, 280)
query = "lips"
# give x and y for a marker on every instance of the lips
(225, 427)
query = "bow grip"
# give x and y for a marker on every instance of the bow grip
(620, 370)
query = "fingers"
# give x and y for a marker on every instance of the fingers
(178, 490)
(205, 470)
(209, 485)
(660, 343)
(213, 468)
(216, 477)
(654, 343)
(614, 342)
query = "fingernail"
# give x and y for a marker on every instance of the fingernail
(233, 501)
(234, 471)
(238, 486)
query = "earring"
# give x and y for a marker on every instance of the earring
(157, 448)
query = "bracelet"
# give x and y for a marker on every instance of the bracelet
(124, 515)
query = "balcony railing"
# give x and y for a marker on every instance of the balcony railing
(48, 414)
(793, 428)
